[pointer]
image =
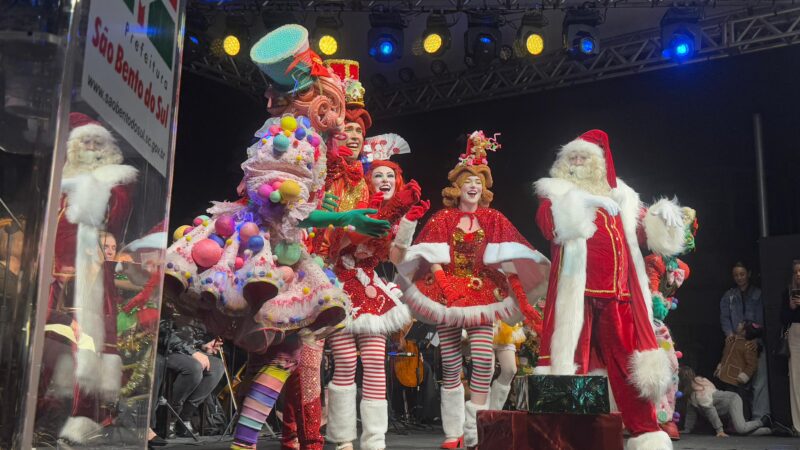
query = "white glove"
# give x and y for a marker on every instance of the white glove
(743, 377)
(672, 217)
(598, 201)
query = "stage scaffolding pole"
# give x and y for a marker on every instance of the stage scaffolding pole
(763, 222)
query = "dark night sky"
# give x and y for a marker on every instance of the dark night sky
(686, 131)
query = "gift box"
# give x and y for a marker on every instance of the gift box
(573, 394)
(521, 430)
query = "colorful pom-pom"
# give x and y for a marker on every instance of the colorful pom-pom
(289, 191)
(679, 354)
(300, 133)
(264, 190)
(305, 121)
(206, 253)
(255, 243)
(239, 263)
(281, 143)
(275, 196)
(217, 239)
(274, 129)
(180, 232)
(246, 231)
(306, 290)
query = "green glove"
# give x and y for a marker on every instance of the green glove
(357, 218)
(330, 202)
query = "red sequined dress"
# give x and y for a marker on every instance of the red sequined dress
(473, 263)
(377, 305)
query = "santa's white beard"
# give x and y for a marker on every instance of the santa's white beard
(82, 160)
(591, 176)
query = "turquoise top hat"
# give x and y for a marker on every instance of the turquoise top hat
(276, 54)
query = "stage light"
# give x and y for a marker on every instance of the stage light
(436, 37)
(579, 32)
(231, 45)
(406, 75)
(326, 35)
(506, 53)
(438, 67)
(530, 40)
(385, 38)
(482, 39)
(680, 33)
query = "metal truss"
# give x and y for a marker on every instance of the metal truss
(744, 30)
(739, 32)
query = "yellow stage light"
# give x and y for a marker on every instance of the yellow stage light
(432, 43)
(231, 45)
(328, 45)
(534, 44)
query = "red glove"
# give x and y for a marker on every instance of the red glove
(375, 200)
(342, 151)
(532, 317)
(417, 211)
(450, 291)
(409, 194)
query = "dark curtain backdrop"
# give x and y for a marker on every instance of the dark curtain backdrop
(685, 131)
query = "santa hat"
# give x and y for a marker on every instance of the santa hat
(594, 142)
(81, 125)
(156, 238)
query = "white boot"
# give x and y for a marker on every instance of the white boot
(654, 440)
(498, 395)
(342, 413)
(374, 424)
(471, 423)
(79, 429)
(453, 412)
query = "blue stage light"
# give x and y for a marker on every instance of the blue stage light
(485, 40)
(680, 47)
(385, 38)
(680, 33)
(587, 45)
(386, 48)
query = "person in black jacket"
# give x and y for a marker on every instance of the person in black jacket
(790, 316)
(192, 353)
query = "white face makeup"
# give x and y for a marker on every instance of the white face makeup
(352, 137)
(383, 180)
(471, 191)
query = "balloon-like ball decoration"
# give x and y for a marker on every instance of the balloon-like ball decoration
(200, 220)
(225, 226)
(265, 190)
(679, 354)
(239, 263)
(287, 274)
(217, 239)
(281, 143)
(290, 191)
(181, 232)
(288, 123)
(255, 243)
(275, 196)
(206, 253)
(248, 230)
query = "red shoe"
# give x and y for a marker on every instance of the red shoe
(672, 430)
(458, 443)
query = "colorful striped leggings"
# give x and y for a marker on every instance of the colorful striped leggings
(481, 351)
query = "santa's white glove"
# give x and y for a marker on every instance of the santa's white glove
(669, 213)
(598, 201)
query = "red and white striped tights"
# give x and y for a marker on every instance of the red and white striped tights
(373, 355)
(481, 351)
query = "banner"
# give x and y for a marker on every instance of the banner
(128, 71)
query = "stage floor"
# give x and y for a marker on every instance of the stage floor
(430, 439)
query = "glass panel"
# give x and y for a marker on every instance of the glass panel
(86, 142)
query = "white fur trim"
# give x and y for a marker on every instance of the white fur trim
(151, 241)
(79, 429)
(88, 193)
(568, 308)
(405, 233)
(433, 312)
(394, 319)
(89, 296)
(650, 373)
(471, 423)
(579, 145)
(63, 379)
(497, 253)
(111, 376)
(498, 395)
(573, 218)
(654, 440)
(532, 267)
(541, 370)
(663, 239)
(453, 412)
(374, 424)
(612, 402)
(90, 129)
(87, 369)
(419, 257)
(342, 413)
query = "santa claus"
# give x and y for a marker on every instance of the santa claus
(96, 201)
(598, 313)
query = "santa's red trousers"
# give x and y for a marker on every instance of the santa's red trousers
(607, 341)
(302, 408)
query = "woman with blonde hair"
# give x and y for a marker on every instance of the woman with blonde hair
(468, 268)
(790, 316)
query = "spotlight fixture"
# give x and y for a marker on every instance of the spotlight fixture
(326, 36)
(406, 75)
(530, 39)
(579, 32)
(680, 33)
(436, 37)
(385, 38)
(235, 37)
(482, 39)
(438, 67)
